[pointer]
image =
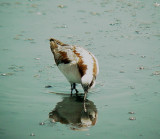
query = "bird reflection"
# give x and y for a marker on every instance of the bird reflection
(74, 112)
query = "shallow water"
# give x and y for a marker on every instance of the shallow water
(125, 37)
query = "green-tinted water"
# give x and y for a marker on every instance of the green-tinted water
(125, 37)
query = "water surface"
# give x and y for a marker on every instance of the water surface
(124, 35)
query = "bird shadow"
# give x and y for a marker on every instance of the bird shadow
(75, 113)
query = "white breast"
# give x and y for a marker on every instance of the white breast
(71, 72)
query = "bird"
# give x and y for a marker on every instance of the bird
(77, 64)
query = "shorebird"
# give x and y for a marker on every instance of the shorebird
(76, 63)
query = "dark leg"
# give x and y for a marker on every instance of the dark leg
(74, 87)
(71, 89)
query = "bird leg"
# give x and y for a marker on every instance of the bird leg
(73, 87)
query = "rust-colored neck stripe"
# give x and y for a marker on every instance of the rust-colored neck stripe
(81, 66)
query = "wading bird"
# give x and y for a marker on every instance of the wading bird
(76, 63)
